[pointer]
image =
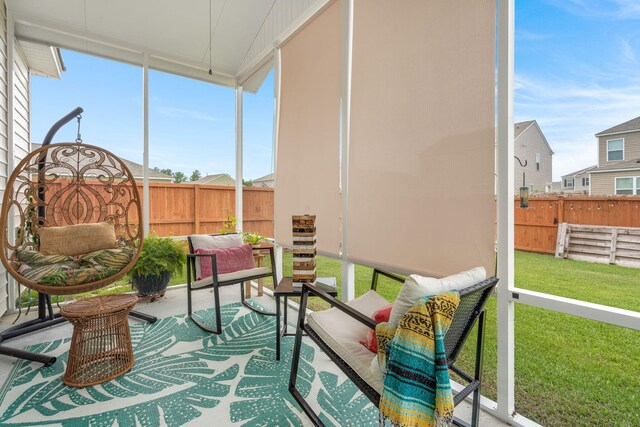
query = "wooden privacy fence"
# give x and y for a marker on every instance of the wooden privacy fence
(183, 209)
(536, 227)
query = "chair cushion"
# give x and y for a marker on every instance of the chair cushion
(343, 334)
(227, 260)
(60, 270)
(236, 275)
(416, 287)
(77, 239)
(220, 241)
(380, 315)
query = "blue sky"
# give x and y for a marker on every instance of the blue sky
(577, 72)
(191, 123)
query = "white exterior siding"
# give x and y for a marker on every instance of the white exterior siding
(21, 115)
(4, 142)
(529, 146)
(21, 125)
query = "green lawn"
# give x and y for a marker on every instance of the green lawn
(568, 371)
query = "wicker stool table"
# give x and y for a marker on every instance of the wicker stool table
(101, 343)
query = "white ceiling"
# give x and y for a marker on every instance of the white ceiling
(175, 34)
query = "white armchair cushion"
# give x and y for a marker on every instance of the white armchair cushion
(416, 287)
(343, 334)
(222, 241)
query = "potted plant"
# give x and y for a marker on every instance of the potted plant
(159, 259)
(253, 238)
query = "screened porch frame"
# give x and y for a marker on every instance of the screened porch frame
(507, 293)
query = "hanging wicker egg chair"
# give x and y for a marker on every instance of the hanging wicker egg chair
(67, 184)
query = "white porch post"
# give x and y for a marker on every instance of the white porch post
(145, 149)
(239, 218)
(276, 122)
(505, 187)
(11, 156)
(348, 268)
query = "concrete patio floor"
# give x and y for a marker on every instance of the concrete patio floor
(174, 302)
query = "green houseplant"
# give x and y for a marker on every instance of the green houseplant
(161, 257)
(253, 238)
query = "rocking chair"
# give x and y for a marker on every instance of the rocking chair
(348, 355)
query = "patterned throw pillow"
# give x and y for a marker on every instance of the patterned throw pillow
(116, 258)
(217, 241)
(61, 270)
(227, 260)
(380, 315)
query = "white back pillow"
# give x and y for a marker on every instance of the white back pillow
(222, 241)
(416, 287)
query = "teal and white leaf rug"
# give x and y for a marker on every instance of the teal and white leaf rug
(184, 376)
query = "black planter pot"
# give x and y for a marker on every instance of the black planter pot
(151, 285)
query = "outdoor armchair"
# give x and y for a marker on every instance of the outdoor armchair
(222, 260)
(338, 330)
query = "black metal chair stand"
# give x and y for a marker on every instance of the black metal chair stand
(470, 311)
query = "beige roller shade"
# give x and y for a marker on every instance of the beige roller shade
(308, 154)
(421, 162)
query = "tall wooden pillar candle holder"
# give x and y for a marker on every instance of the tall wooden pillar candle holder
(304, 249)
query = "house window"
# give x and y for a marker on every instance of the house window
(585, 182)
(615, 149)
(537, 161)
(568, 182)
(626, 185)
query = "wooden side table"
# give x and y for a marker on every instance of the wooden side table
(101, 343)
(258, 260)
(285, 289)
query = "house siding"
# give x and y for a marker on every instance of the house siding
(577, 183)
(528, 143)
(21, 125)
(4, 141)
(603, 184)
(631, 146)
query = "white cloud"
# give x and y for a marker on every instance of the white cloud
(524, 35)
(627, 51)
(570, 115)
(179, 112)
(614, 9)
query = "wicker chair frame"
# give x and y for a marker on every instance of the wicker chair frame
(77, 184)
(470, 310)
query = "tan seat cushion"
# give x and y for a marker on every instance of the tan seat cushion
(343, 334)
(77, 239)
(236, 275)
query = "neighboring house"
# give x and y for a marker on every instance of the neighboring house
(577, 182)
(217, 179)
(618, 170)
(266, 181)
(135, 168)
(532, 146)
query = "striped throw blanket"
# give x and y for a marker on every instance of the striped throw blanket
(417, 389)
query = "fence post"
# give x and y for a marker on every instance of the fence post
(560, 205)
(196, 208)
